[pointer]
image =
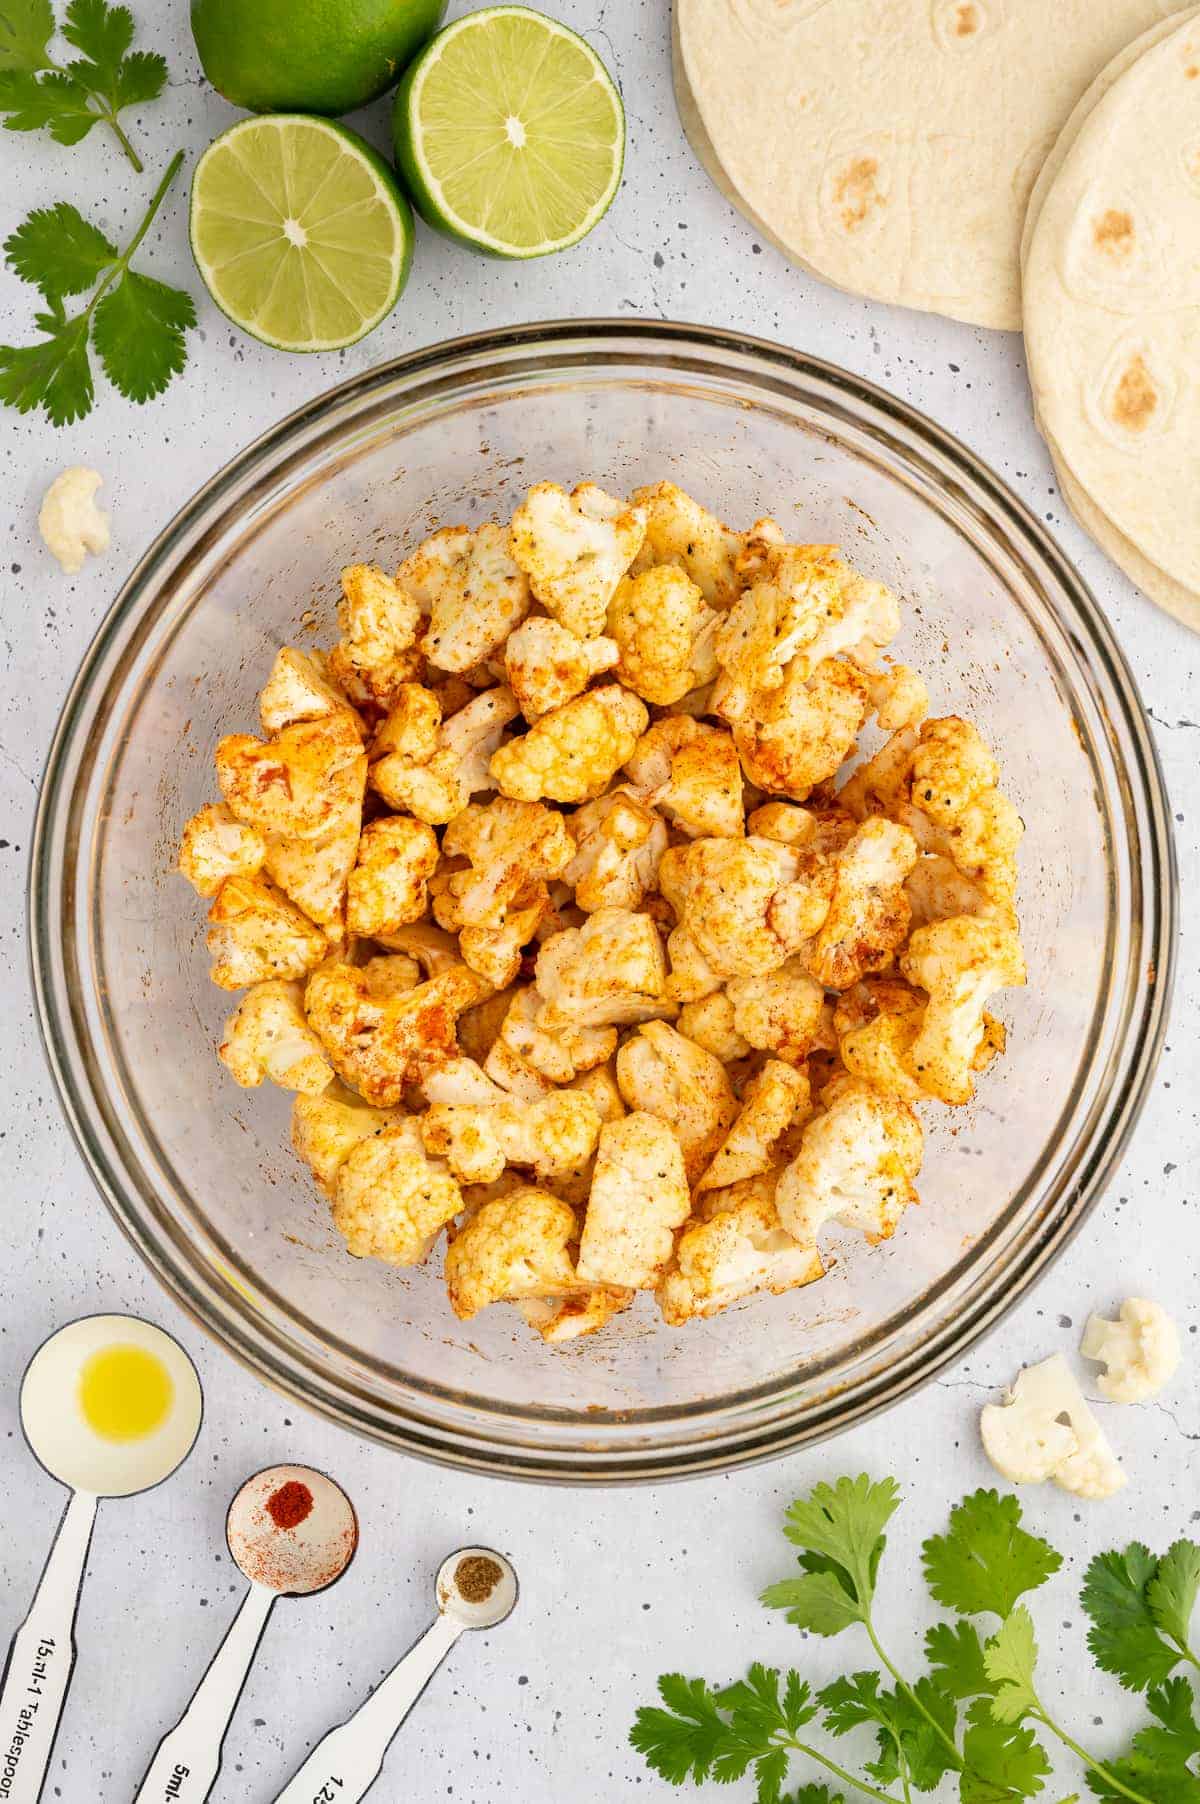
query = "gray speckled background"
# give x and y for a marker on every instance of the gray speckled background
(617, 1587)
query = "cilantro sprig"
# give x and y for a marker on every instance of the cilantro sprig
(974, 1717)
(135, 322)
(68, 99)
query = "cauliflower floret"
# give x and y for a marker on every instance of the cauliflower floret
(69, 519)
(793, 737)
(376, 654)
(461, 1080)
(690, 771)
(575, 549)
(313, 873)
(663, 1074)
(1045, 1429)
(618, 842)
(961, 962)
(899, 697)
(268, 1036)
(473, 593)
(771, 1101)
(327, 1128)
(390, 1200)
(547, 666)
(381, 1042)
(510, 845)
(721, 891)
(639, 1197)
(611, 972)
(876, 1032)
(497, 953)
(477, 1140)
(1140, 1351)
(868, 913)
(569, 1318)
(216, 845)
(780, 1011)
(390, 974)
(681, 532)
(513, 1247)
(786, 822)
(305, 783)
(709, 1022)
(731, 1252)
(527, 1060)
(389, 885)
(665, 634)
(298, 689)
(856, 1164)
(433, 949)
(936, 889)
(804, 605)
(438, 786)
(572, 754)
(256, 934)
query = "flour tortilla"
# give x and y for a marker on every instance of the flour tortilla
(1112, 306)
(890, 145)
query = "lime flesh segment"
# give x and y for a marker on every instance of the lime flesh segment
(299, 231)
(510, 133)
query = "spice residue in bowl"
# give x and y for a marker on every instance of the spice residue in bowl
(476, 1577)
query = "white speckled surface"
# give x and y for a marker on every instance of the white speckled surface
(615, 1587)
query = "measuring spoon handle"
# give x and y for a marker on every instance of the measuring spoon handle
(345, 1764)
(189, 1755)
(38, 1672)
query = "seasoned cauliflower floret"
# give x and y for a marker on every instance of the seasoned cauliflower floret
(461, 1080)
(498, 953)
(431, 947)
(639, 1197)
(961, 962)
(314, 872)
(899, 697)
(663, 1074)
(611, 972)
(665, 634)
(780, 1011)
(804, 605)
(575, 549)
(473, 593)
(709, 1022)
(380, 1043)
(477, 1140)
(569, 1318)
(681, 532)
(797, 735)
(327, 1128)
(390, 1200)
(299, 688)
(856, 1164)
(547, 666)
(618, 842)
(721, 891)
(876, 1036)
(690, 771)
(572, 754)
(1139, 1351)
(268, 1036)
(509, 845)
(527, 1059)
(513, 1247)
(376, 654)
(216, 845)
(302, 784)
(256, 934)
(733, 1251)
(437, 784)
(868, 913)
(389, 885)
(771, 1101)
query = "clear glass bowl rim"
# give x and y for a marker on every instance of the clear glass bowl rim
(725, 1434)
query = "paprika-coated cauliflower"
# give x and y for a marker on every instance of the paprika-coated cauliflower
(721, 891)
(899, 697)
(611, 972)
(497, 953)
(314, 872)
(569, 1318)
(509, 845)
(795, 736)
(689, 770)
(876, 1036)
(513, 1247)
(268, 1036)
(575, 549)
(734, 1247)
(528, 1059)
(473, 593)
(664, 1074)
(477, 1140)
(709, 1022)
(639, 1197)
(665, 634)
(300, 688)
(572, 754)
(216, 845)
(780, 1011)
(856, 1164)
(618, 842)
(391, 1200)
(380, 1043)
(804, 605)
(389, 885)
(327, 1128)
(302, 784)
(255, 933)
(960, 963)
(681, 532)
(376, 653)
(547, 666)
(868, 912)
(436, 784)
(772, 1099)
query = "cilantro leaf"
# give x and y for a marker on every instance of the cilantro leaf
(1171, 1593)
(1124, 1636)
(844, 1523)
(69, 99)
(139, 334)
(816, 1794)
(142, 76)
(58, 250)
(822, 1600)
(101, 32)
(955, 1653)
(1161, 1761)
(907, 1741)
(1004, 1763)
(53, 374)
(1009, 1660)
(55, 101)
(987, 1560)
(26, 27)
(682, 1741)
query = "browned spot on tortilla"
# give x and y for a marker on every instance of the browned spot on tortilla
(856, 192)
(1192, 71)
(1135, 397)
(966, 20)
(1114, 235)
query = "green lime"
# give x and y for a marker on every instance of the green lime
(321, 56)
(510, 133)
(300, 231)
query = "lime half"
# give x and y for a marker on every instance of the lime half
(510, 133)
(300, 231)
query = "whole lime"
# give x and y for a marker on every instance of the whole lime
(323, 56)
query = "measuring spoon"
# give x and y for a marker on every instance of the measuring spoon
(110, 1405)
(475, 1589)
(292, 1531)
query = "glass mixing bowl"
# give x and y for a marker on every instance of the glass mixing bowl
(200, 1175)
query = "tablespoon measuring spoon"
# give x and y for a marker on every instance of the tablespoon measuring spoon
(110, 1405)
(475, 1589)
(292, 1531)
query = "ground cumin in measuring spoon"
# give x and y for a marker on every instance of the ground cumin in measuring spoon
(476, 1577)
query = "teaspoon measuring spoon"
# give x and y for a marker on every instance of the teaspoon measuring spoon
(475, 1589)
(308, 1553)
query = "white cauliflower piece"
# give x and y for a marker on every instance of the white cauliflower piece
(899, 697)
(527, 1059)
(257, 934)
(569, 1318)
(305, 783)
(327, 1128)
(805, 605)
(799, 734)
(268, 1036)
(786, 822)
(691, 772)
(572, 754)
(937, 889)
(1045, 1429)
(473, 593)
(513, 1247)
(681, 532)
(390, 1200)
(314, 872)
(461, 1080)
(216, 845)
(510, 845)
(710, 1023)
(780, 1011)
(876, 1036)
(771, 1101)
(433, 949)
(547, 666)
(389, 885)
(380, 1042)
(437, 786)
(665, 634)
(377, 653)
(662, 1073)
(618, 842)
(856, 1164)
(70, 522)
(554, 1135)
(639, 1197)
(611, 972)
(721, 891)
(299, 689)
(869, 913)
(498, 953)
(575, 549)
(733, 1252)
(960, 962)
(390, 974)
(1140, 1351)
